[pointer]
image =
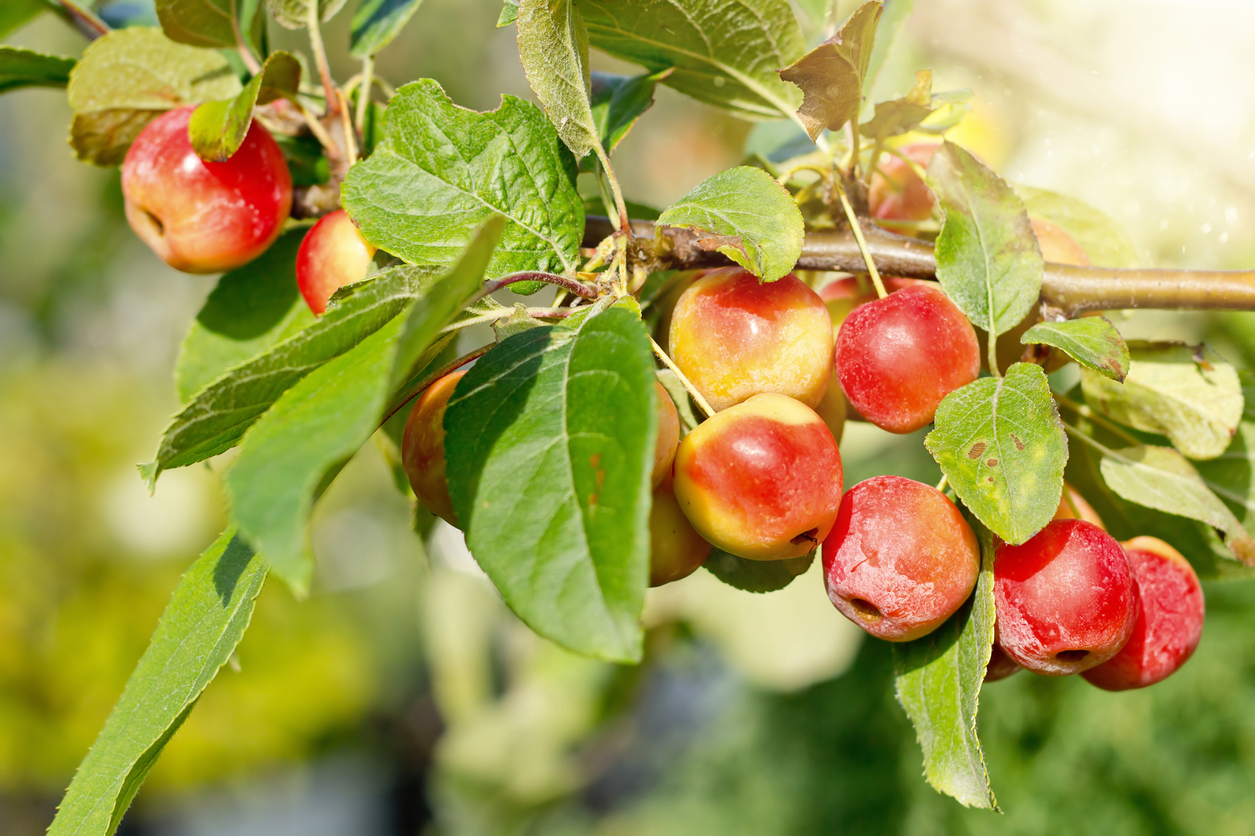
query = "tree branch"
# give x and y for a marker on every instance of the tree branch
(1073, 290)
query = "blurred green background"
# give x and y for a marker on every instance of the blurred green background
(402, 698)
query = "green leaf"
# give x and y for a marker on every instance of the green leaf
(377, 22)
(129, 77)
(444, 170)
(756, 575)
(830, 76)
(987, 256)
(1184, 392)
(294, 14)
(683, 404)
(1163, 479)
(1103, 240)
(553, 46)
(198, 22)
(26, 68)
(751, 219)
(218, 128)
(509, 13)
(618, 101)
(899, 116)
(1001, 445)
(938, 680)
(1091, 341)
(199, 630)
(251, 310)
(14, 14)
(549, 440)
(221, 412)
(724, 53)
(891, 22)
(318, 424)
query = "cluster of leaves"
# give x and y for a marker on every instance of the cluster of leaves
(551, 433)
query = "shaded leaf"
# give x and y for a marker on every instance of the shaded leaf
(725, 52)
(987, 256)
(198, 631)
(444, 170)
(217, 129)
(251, 310)
(1104, 241)
(938, 679)
(1184, 392)
(553, 46)
(751, 219)
(294, 14)
(1001, 445)
(618, 101)
(26, 68)
(198, 22)
(679, 397)
(129, 77)
(892, 19)
(830, 76)
(756, 575)
(898, 116)
(1091, 341)
(376, 22)
(550, 446)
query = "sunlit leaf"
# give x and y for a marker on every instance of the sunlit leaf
(217, 129)
(1091, 341)
(899, 116)
(553, 46)
(1104, 241)
(830, 76)
(509, 13)
(294, 14)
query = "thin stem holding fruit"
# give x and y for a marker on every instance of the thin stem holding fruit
(320, 57)
(85, 20)
(862, 243)
(569, 285)
(363, 95)
(620, 204)
(241, 45)
(320, 133)
(486, 319)
(422, 385)
(701, 402)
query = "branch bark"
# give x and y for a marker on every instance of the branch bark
(1073, 290)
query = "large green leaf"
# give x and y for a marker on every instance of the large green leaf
(220, 413)
(938, 680)
(751, 219)
(26, 68)
(1091, 341)
(987, 256)
(553, 46)
(1104, 241)
(756, 575)
(1184, 392)
(1002, 447)
(198, 22)
(725, 52)
(15, 14)
(199, 630)
(217, 129)
(294, 14)
(251, 310)
(830, 76)
(129, 77)
(315, 426)
(444, 170)
(618, 101)
(549, 445)
(377, 22)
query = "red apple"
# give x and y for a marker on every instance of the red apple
(332, 254)
(897, 193)
(422, 447)
(675, 547)
(668, 436)
(204, 217)
(1000, 665)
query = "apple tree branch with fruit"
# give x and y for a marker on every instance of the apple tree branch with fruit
(679, 391)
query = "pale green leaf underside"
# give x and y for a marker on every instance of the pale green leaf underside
(553, 46)
(199, 630)
(26, 68)
(549, 446)
(1184, 392)
(1091, 341)
(1001, 445)
(750, 218)
(938, 680)
(987, 256)
(725, 52)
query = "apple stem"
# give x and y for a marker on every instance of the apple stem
(87, 22)
(569, 285)
(941, 486)
(701, 401)
(434, 376)
(241, 45)
(320, 58)
(363, 93)
(862, 243)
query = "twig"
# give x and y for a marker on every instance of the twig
(241, 45)
(434, 376)
(85, 20)
(569, 285)
(363, 96)
(320, 57)
(484, 319)
(862, 242)
(1086, 412)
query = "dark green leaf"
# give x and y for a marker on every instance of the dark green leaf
(618, 101)
(444, 170)
(1103, 240)
(377, 22)
(218, 128)
(319, 423)
(553, 46)
(830, 76)
(1001, 445)
(294, 14)
(251, 310)
(751, 219)
(198, 22)
(15, 14)
(197, 633)
(218, 416)
(25, 68)
(550, 442)
(724, 53)
(1184, 392)
(756, 575)
(129, 77)
(899, 116)
(1091, 341)
(509, 13)
(306, 161)
(938, 680)
(987, 256)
